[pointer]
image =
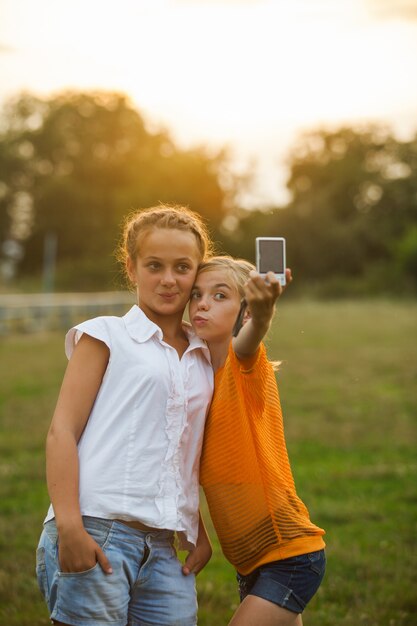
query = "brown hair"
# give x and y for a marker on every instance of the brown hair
(140, 222)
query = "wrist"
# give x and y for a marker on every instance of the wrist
(69, 525)
(261, 325)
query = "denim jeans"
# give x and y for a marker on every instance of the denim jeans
(290, 583)
(146, 588)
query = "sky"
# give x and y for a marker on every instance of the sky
(247, 74)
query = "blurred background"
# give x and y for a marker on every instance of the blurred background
(267, 117)
(294, 118)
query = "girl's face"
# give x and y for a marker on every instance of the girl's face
(214, 305)
(164, 271)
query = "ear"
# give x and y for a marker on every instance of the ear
(130, 269)
(246, 316)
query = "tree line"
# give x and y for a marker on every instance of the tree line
(73, 165)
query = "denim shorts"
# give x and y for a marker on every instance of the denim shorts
(147, 586)
(290, 583)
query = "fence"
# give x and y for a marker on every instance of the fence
(36, 312)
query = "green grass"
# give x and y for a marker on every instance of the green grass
(348, 391)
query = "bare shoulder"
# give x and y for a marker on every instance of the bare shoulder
(90, 345)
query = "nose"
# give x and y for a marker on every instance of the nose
(168, 279)
(202, 304)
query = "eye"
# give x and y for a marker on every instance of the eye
(219, 296)
(153, 266)
(195, 295)
(183, 268)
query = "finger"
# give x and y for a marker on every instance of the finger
(189, 563)
(273, 285)
(268, 290)
(256, 279)
(271, 278)
(198, 567)
(103, 561)
(257, 286)
(259, 299)
(186, 570)
(288, 279)
(252, 289)
(195, 569)
(265, 285)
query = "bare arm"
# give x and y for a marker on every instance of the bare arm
(82, 380)
(200, 556)
(261, 296)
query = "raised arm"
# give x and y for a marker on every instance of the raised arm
(82, 380)
(261, 296)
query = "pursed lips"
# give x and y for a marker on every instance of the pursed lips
(198, 319)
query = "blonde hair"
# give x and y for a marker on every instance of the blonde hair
(138, 224)
(238, 269)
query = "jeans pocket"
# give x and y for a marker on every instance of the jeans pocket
(84, 572)
(41, 572)
(99, 531)
(89, 595)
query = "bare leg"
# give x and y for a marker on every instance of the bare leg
(255, 611)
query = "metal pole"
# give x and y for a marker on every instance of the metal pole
(49, 261)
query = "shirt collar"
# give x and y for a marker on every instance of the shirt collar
(140, 328)
(196, 342)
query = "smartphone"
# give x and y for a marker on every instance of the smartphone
(270, 257)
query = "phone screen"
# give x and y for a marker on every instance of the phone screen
(271, 256)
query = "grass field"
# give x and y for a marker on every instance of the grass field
(348, 390)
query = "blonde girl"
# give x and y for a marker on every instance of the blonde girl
(263, 526)
(124, 444)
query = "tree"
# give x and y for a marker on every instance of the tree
(75, 164)
(360, 186)
(353, 212)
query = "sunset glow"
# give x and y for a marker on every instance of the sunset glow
(248, 73)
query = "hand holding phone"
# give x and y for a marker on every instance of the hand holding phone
(270, 257)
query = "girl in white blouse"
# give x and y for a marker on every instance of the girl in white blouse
(124, 444)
